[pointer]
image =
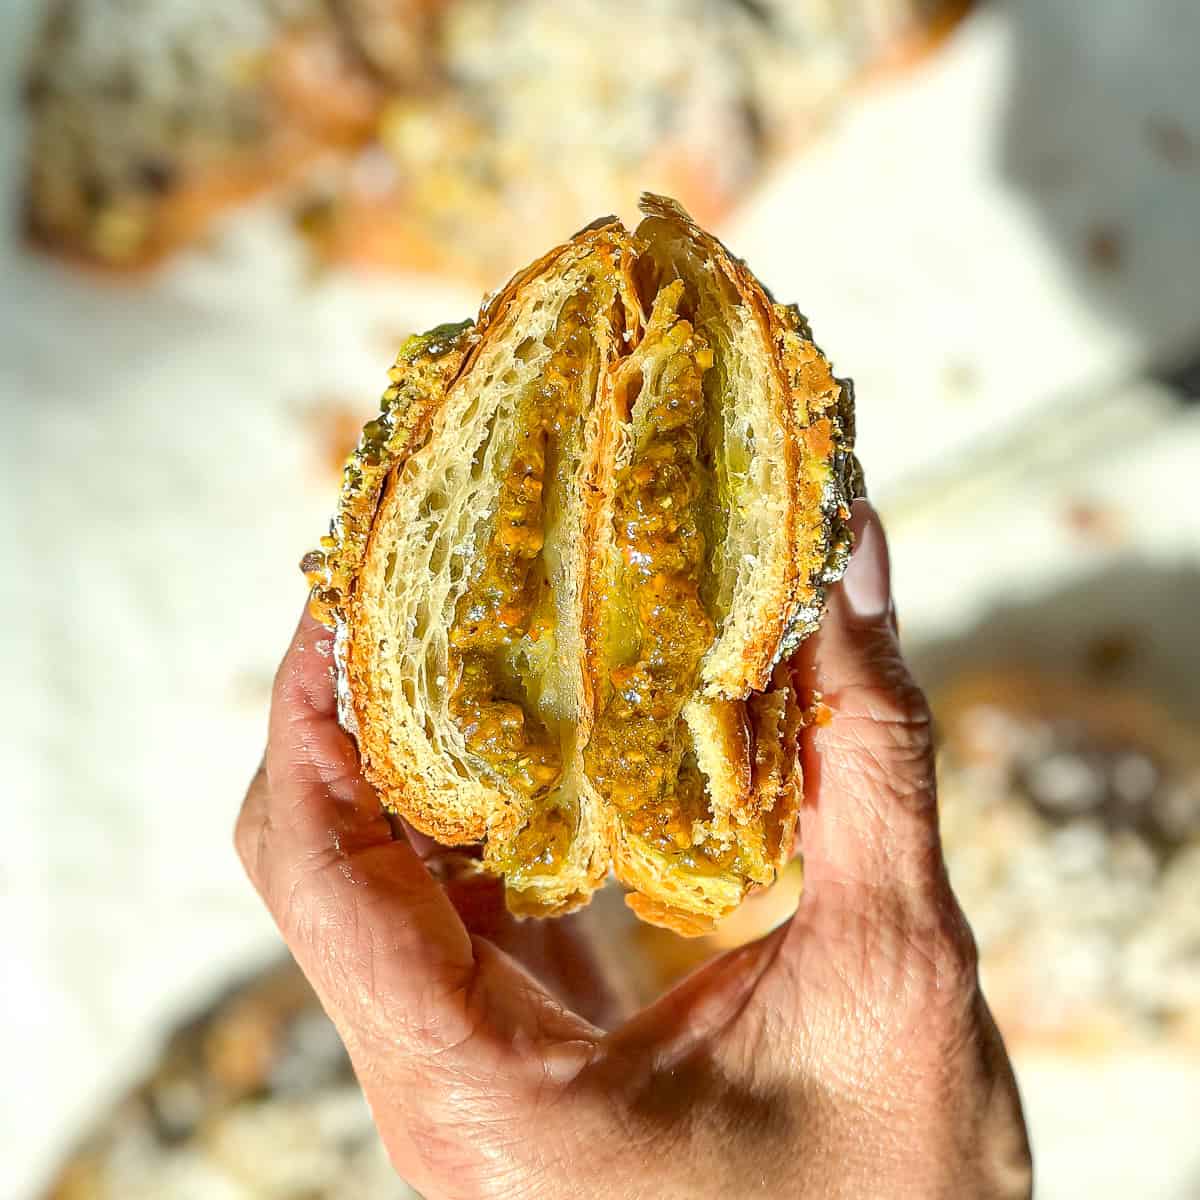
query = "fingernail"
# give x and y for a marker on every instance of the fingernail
(867, 584)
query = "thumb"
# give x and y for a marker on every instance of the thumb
(869, 817)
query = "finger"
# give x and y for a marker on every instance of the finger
(429, 848)
(869, 817)
(554, 951)
(436, 1024)
(477, 896)
(374, 932)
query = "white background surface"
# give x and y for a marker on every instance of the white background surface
(161, 481)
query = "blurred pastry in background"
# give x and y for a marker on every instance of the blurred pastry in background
(1070, 814)
(551, 109)
(148, 119)
(253, 1100)
(447, 135)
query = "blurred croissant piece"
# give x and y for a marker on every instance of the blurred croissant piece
(426, 134)
(572, 558)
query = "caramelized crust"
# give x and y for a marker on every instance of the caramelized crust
(571, 555)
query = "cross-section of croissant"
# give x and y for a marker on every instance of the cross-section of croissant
(573, 556)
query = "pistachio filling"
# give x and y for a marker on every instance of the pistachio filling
(508, 605)
(542, 844)
(668, 825)
(639, 756)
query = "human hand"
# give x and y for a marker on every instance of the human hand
(850, 1053)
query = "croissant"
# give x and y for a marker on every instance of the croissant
(572, 558)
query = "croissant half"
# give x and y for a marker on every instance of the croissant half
(572, 558)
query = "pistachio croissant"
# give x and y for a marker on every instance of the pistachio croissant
(571, 560)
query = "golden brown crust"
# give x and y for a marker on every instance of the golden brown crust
(425, 369)
(388, 552)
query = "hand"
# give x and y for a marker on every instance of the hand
(849, 1053)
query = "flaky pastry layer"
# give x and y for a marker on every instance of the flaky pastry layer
(572, 558)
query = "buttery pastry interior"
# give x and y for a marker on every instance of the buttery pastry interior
(572, 557)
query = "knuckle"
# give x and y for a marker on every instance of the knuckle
(887, 754)
(888, 698)
(350, 942)
(897, 704)
(886, 687)
(313, 910)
